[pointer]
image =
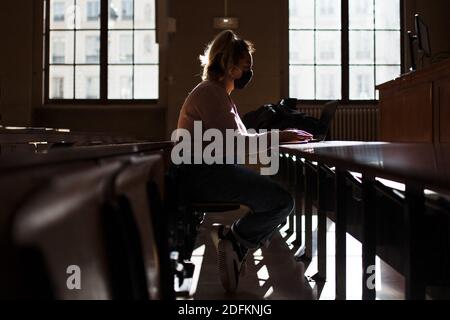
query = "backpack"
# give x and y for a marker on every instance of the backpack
(281, 116)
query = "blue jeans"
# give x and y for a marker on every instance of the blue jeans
(269, 203)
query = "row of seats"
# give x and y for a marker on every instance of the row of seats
(86, 227)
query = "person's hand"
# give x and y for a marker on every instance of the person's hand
(294, 135)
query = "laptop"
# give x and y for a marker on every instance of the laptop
(326, 118)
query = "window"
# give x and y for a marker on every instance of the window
(319, 60)
(126, 48)
(125, 87)
(93, 10)
(315, 49)
(59, 9)
(90, 58)
(133, 52)
(127, 10)
(92, 87)
(92, 49)
(59, 51)
(58, 87)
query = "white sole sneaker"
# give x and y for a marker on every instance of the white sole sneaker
(216, 235)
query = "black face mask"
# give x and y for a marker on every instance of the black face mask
(242, 82)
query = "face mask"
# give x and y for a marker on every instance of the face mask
(242, 82)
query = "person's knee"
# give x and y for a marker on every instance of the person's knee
(289, 208)
(286, 203)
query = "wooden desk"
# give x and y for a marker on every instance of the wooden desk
(418, 166)
(416, 106)
(17, 135)
(74, 154)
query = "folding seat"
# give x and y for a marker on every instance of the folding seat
(139, 189)
(16, 184)
(63, 228)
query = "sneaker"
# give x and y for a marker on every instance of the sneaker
(217, 233)
(231, 264)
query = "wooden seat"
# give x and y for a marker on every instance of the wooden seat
(64, 224)
(138, 188)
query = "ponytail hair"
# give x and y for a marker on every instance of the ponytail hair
(224, 51)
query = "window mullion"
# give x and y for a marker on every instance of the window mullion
(133, 85)
(104, 18)
(47, 52)
(345, 50)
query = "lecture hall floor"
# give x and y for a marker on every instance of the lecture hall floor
(273, 273)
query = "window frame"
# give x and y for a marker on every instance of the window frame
(345, 57)
(103, 64)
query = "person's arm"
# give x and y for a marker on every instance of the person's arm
(216, 111)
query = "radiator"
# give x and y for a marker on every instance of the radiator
(354, 123)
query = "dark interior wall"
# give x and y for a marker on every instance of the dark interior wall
(142, 121)
(262, 21)
(146, 122)
(436, 14)
(259, 21)
(16, 32)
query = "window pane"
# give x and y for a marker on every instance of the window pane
(301, 47)
(360, 14)
(62, 14)
(301, 82)
(145, 14)
(89, 11)
(146, 79)
(328, 83)
(120, 82)
(87, 82)
(362, 85)
(328, 47)
(120, 47)
(385, 74)
(61, 82)
(145, 47)
(387, 14)
(121, 14)
(361, 47)
(328, 14)
(388, 47)
(61, 47)
(301, 14)
(88, 47)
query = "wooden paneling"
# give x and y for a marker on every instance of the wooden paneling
(416, 106)
(443, 88)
